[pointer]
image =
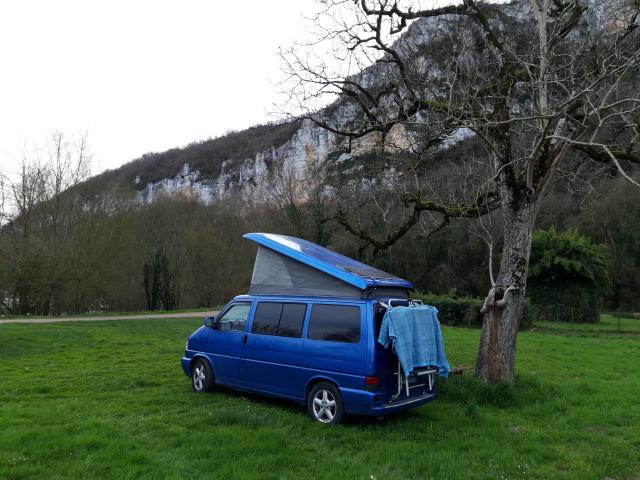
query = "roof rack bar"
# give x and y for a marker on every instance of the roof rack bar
(389, 303)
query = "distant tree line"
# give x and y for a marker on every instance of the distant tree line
(91, 251)
(118, 256)
(72, 246)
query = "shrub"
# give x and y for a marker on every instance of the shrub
(461, 311)
(567, 277)
(465, 311)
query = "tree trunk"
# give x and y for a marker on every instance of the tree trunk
(505, 302)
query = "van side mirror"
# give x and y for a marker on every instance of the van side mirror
(211, 322)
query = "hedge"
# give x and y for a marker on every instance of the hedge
(465, 311)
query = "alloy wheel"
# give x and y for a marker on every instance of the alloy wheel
(324, 406)
(199, 377)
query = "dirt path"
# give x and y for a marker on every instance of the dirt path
(108, 317)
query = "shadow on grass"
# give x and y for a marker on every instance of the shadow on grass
(247, 409)
(248, 416)
(526, 390)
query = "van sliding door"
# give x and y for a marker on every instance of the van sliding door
(272, 353)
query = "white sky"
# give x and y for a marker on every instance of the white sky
(139, 76)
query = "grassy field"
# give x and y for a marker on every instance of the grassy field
(127, 313)
(109, 400)
(608, 324)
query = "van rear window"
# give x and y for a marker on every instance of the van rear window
(283, 319)
(336, 323)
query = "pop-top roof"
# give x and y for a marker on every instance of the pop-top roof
(348, 270)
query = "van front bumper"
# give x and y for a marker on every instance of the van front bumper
(186, 365)
(361, 402)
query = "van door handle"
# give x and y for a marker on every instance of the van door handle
(244, 339)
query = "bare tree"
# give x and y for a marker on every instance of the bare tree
(37, 202)
(68, 164)
(301, 196)
(535, 87)
(287, 192)
(3, 199)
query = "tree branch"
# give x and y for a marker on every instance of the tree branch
(487, 202)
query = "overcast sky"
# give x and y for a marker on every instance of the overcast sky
(139, 76)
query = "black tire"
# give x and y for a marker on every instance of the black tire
(324, 404)
(202, 379)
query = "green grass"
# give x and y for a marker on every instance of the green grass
(631, 315)
(114, 314)
(109, 400)
(609, 323)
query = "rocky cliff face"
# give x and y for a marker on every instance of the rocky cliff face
(252, 177)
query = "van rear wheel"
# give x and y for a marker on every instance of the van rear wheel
(202, 376)
(325, 404)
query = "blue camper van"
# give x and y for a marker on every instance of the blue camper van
(308, 331)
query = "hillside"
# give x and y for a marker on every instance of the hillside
(209, 157)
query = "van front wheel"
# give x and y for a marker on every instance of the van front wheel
(325, 404)
(202, 376)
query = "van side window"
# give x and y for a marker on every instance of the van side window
(292, 319)
(336, 323)
(283, 319)
(235, 317)
(267, 318)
